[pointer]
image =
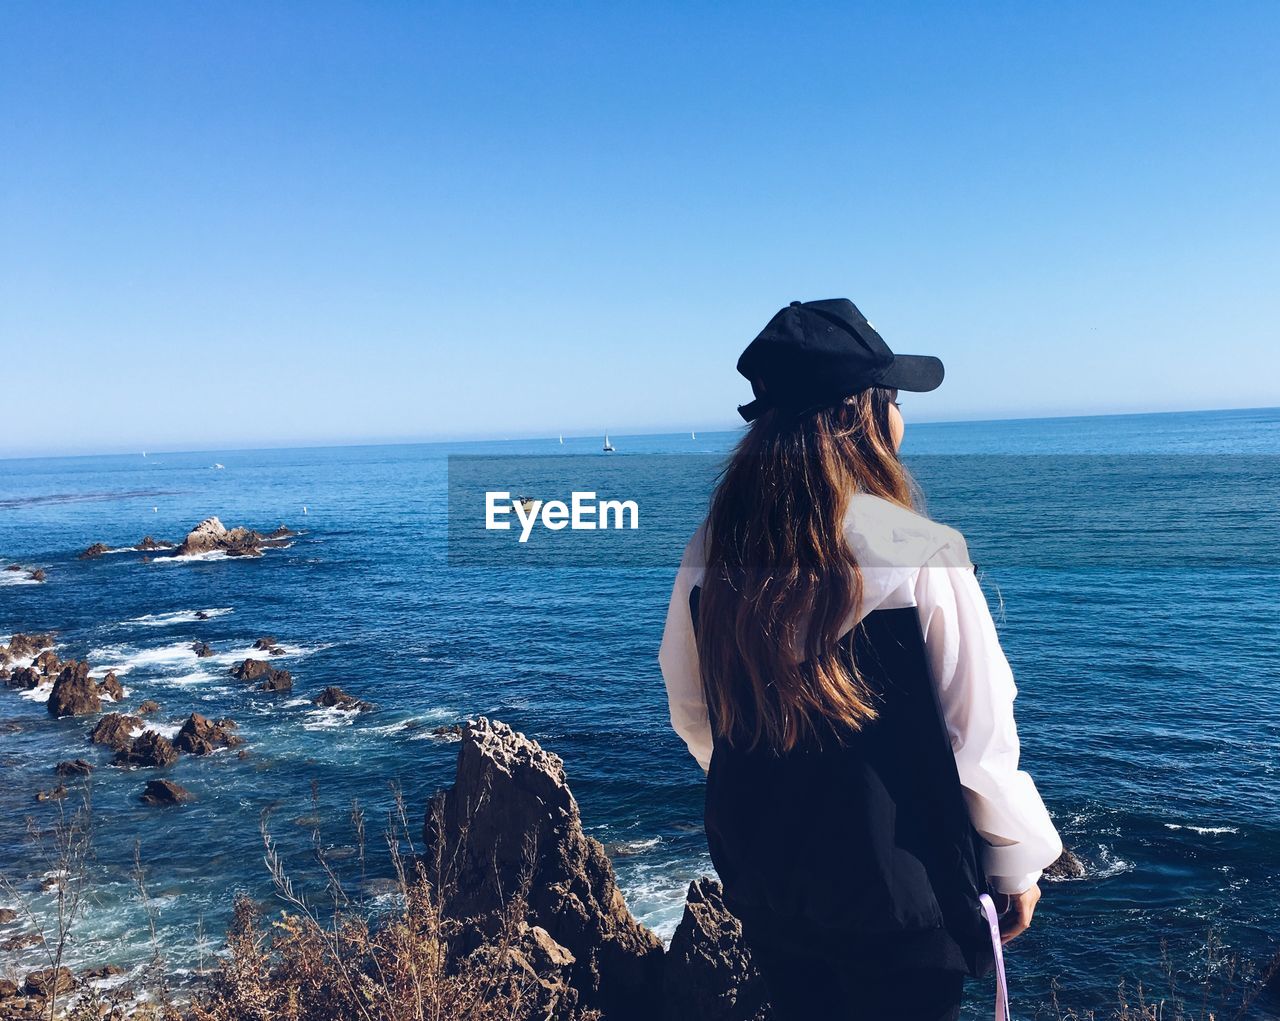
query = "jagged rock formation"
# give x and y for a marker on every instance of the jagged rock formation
(334, 697)
(510, 823)
(148, 749)
(115, 730)
(200, 735)
(211, 535)
(74, 694)
(707, 972)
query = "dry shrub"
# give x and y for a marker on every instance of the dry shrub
(413, 963)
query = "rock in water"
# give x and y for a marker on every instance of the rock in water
(111, 687)
(74, 767)
(251, 670)
(115, 730)
(148, 749)
(73, 693)
(165, 792)
(334, 697)
(201, 649)
(510, 810)
(95, 551)
(707, 972)
(200, 735)
(49, 982)
(1066, 866)
(149, 543)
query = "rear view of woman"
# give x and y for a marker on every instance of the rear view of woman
(831, 662)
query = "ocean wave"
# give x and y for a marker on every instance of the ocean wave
(176, 617)
(125, 657)
(328, 718)
(17, 578)
(1204, 831)
(190, 558)
(40, 693)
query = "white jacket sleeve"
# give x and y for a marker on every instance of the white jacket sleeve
(678, 658)
(976, 691)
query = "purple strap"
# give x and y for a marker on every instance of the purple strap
(997, 948)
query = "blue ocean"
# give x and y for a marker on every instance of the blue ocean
(1129, 562)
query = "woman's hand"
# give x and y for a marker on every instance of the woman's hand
(1016, 910)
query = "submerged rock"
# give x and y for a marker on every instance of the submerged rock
(148, 706)
(73, 693)
(95, 551)
(148, 543)
(165, 792)
(510, 796)
(1066, 866)
(148, 750)
(73, 767)
(200, 735)
(335, 698)
(115, 730)
(201, 649)
(53, 794)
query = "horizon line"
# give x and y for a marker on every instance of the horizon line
(714, 430)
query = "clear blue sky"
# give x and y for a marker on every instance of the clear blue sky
(253, 224)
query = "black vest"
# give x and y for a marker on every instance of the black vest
(857, 847)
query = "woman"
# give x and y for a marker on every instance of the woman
(831, 661)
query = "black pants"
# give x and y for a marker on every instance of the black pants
(813, 989)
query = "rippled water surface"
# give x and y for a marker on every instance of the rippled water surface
(1148, 705)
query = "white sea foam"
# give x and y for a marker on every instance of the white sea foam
(1204, 831)
(176, 617)
(40, 693)
(169, 730)
(329, 718)
(18, 578)
(188, 558)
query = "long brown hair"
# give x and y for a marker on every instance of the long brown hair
(781, 580)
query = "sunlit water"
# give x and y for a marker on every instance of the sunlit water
(1148, 705)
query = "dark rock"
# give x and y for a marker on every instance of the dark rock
(1066, 866)
(335, 698)
(165, 792)
(201, 615)
(38, 574)
(212, 535)
(21, 941)
(449, 732)
(111, 687)
(95, 551)
(250, 670)
(22, 647)
(49, 982)
(47, 663)
(707, 972)
(265, 644)
(200, 735)
(510, 810)
(283, 532)
(73, 693)
(148, 706)
(276, 680)
(103, 971)
(148, 543)
(201, 649)
(53, 794)
(24, 678)
(115, 730)
(148, 749)
(73, 767)
(7, 915)
(14, 567)
(7, 989)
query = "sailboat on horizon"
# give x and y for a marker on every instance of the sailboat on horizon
(608, 447)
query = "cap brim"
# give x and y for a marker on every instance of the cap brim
(915, 373)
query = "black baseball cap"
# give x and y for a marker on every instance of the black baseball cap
(814, 354)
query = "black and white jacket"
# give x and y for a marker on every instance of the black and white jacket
(924, 621)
